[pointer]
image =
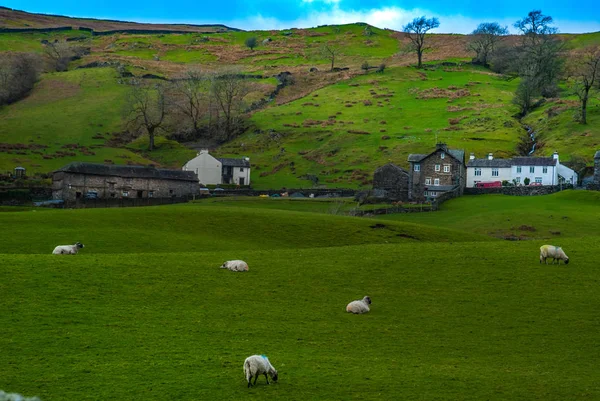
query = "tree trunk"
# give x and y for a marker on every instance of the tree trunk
(332, 61)
(584, 109)
(151, 139)
(420, 55)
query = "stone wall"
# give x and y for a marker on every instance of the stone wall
(333, 192)
(519, 191)
(71, 186)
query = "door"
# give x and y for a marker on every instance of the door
(241, 180)
(140, 194)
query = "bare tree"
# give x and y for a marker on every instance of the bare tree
(584, 72)
(146, 109)
(330, 51)
(18, 74)
(416, 31)
(191, 97)
(228, 90)
(484, 40)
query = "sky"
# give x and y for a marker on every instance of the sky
(455, 16)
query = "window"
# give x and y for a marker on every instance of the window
(437, 167)
(170, 192)
(477, 172)
(436, 181)
(545, 170)
(518, 169)
(425, 193)
(427, 181)
(532, 169)
(494, 172)
(518, 180)
(111, 186)
(241, 169)
(417, 167)
(125, 194)
(150, 194)
(446, 168)
(538, 180)
(433, 194)
(442, 155)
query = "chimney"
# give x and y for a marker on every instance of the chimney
(490, 156)
(472, 156)
(246, 158)
(555, 156)
(441, 145)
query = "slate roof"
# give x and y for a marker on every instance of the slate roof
(458, 154)
(533, 161)
(234, 162)
(128, 171)
(413, 157)
(440, 188)
(499, 163)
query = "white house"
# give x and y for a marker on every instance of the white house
(539, 170)
(213, 171)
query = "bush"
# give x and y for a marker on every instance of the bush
(251, 42)
(18, 74)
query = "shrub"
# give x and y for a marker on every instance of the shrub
(251, 42)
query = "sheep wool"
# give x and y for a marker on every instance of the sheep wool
(359, 306)
(257, 365)
(235, 266)
(554, 252)
(67, 249)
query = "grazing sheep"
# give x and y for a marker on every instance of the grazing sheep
(67, 249)
(256, 365)
(360, 306)
(554, 252)
(235, 266)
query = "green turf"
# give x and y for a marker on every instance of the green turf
(144, 312)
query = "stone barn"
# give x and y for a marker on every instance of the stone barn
(391, 181)
(101, 181)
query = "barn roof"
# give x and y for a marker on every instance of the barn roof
(128, 171)
(234, 162)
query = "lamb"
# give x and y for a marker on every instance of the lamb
(359, 306)
(256, 365)
(235, 266)
(554, 252)
(67, 249)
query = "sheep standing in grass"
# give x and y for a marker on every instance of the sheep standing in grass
(235, 266)
(67, 249)
(554, 252)
(359, 306)
(256, 365)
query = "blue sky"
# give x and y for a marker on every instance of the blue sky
(456, 16)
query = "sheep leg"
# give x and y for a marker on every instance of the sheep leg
(255, 379)
(267, 377)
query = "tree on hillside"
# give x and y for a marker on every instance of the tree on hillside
(191, 97)
(330, 51)
(61, 52)
(416, 31)
(538, 52)
(18, 74)
(251, 42)
(146, 109)
(228, 90)
(484, 40)
(584, 76)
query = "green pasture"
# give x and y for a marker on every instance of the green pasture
(143, 312)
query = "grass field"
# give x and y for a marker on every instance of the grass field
(144, 312)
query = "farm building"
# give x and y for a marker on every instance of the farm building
(392, 181)
(212, 171)
(435, 173)
(538, 170)
(89, 180)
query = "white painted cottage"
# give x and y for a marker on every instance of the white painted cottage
(214, 171)
(539, 170)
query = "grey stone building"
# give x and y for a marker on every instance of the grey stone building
(435, 173)
(89, 180)
(391, 181)
(597, 168)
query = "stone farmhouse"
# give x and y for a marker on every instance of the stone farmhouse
(214, 171)
(84, 180)
(435, 173)
(539, 170)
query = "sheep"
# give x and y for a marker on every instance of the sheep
(554, 252)
(235, 265)
(359, 306)
(256, 365)
(67, 249)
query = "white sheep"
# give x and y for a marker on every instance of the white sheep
(235, 266)
(67, 249)
(256, 365)
(359, 306)
(554, 252)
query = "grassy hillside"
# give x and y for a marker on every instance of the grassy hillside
(144, 310)
(337, 126)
